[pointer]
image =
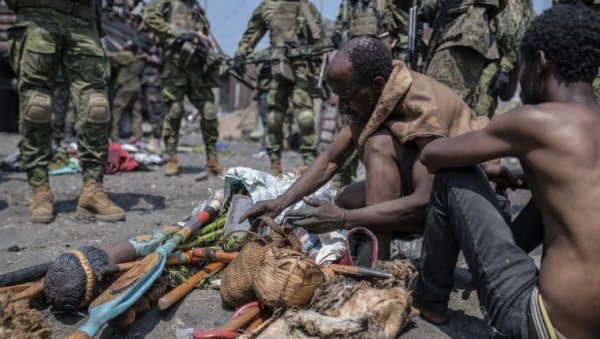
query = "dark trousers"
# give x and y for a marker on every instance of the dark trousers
(464, 214)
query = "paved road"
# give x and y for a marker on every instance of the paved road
(152, 200)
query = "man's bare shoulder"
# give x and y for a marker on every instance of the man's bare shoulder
(548, 117)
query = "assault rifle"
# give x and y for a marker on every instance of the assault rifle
(265, 56)
(415, 32)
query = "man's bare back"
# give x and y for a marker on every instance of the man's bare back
(562, 168)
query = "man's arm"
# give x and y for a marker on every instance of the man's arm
(254, 32)
(154, 19)
(317, 174)
(509, 134)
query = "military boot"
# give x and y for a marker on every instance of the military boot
(275, 167)
(41, 209)
(93, 203)
(213, 165)
(154, 145)
(172, 166)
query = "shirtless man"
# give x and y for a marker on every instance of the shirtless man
(397, 187)
(556, 139)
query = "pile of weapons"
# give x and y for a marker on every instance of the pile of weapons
(112, 281)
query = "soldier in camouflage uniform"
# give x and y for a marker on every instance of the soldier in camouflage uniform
(152, 100)
(129, 92)
(372, 17)
(375, 18)
(462, 43)
(499, 78)
(595, 5)
(290, 23)
(175, 22)
(49, 35)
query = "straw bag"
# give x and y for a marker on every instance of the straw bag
(287, 278)
(237, 281)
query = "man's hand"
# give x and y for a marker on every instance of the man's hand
(503, 177)
(322, 217)
(239, 64)
(501, 82)
(270, 208)
(187, 36)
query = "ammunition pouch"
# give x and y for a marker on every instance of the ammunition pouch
(281, 67)
(78, 8)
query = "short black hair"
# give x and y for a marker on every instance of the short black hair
(369, 57)
(569, 35)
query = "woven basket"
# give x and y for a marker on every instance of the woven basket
(237, 281)
(287, 278)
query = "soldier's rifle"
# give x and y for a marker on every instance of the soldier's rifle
(415, 32)
(293, 54)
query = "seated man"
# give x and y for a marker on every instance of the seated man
(556, 139)
(387, 107)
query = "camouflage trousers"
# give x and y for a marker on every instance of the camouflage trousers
(155, 106)
(485, 102)
(192, 83)
(459, 68)
(63, 113)
(278, 102)
(41, 41)
(127, 100)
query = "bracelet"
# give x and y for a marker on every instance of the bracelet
(343, 218)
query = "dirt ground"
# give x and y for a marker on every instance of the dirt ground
(152, 200)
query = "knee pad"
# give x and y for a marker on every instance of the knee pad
(39, 108)
(97, 110)
(209, 112)
(306, 121)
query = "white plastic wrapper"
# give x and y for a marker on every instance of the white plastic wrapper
(325, 248)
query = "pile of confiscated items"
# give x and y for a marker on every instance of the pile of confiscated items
(283, 281)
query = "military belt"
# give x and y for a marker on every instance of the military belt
(80, 9)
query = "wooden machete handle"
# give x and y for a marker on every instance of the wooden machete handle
(182, 290)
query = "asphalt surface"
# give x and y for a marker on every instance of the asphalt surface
(152, 200)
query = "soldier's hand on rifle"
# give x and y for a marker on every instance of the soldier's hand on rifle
(502, 81)
(336, 40)
(187, 36)
(239, 64)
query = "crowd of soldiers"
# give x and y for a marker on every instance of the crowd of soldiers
(166, 54)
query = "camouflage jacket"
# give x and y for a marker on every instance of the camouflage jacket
(466, 23)
(512, 23)
(268, 17)
(169, 18)
(393, 21)
(595, 4)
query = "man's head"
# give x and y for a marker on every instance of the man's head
(561, 46)
(357, 74)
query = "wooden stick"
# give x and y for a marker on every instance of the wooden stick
(16, 288)
(242, 320)
(32, 292)
(182, 290)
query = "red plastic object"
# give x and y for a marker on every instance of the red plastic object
(215, 334)
(244, 308)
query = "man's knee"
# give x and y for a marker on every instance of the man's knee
(306, 122)
(96, 109)
(465, 177)
(351, 196)
(378, 145)
(38, 108)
